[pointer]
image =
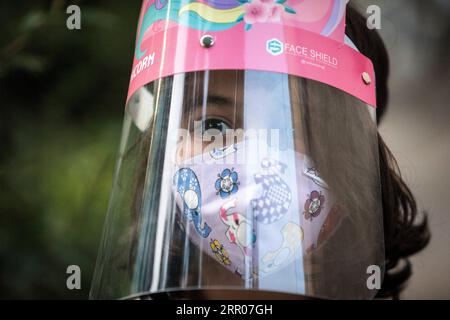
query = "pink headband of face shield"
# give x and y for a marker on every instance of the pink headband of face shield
(300, 38)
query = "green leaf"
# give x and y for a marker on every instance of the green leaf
(248, 27)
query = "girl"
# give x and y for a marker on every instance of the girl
(262, 181)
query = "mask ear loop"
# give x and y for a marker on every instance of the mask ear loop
(372, 110)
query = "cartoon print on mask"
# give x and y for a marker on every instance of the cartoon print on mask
(276, 197)
(292, 239)
(219, 153)
(238, 228)
(311, 171)
(221, 254)
(227, 184)
(188, 187)
(314, 205)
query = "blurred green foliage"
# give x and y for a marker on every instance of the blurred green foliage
(62, 95)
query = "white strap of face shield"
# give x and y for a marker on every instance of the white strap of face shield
(372, 110)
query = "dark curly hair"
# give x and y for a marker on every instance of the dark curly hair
(403, 235)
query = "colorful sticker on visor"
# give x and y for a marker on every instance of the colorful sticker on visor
(304, 38)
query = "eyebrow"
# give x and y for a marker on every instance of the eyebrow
(219, 100)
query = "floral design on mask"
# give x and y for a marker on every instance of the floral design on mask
(227, 184)
(276, 197)
(188, 187)
(292, 238)
(240, 231)
(221, 253)
(314, 205)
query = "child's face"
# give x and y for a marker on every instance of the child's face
(214, 103)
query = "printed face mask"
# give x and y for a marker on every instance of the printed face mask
(254, 216)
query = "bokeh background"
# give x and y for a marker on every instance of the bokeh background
(62, 96)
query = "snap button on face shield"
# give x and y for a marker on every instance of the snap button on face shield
(207, 41)
(245, 170)
(366, 78)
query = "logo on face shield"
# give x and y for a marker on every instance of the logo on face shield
(274, 47)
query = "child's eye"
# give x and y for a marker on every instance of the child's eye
(215, 123)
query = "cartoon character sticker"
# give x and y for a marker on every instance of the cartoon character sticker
(188, 188)
(240, 231)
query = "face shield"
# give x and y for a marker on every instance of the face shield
(249, 157)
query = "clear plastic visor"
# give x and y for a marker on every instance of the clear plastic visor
(244, 180)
